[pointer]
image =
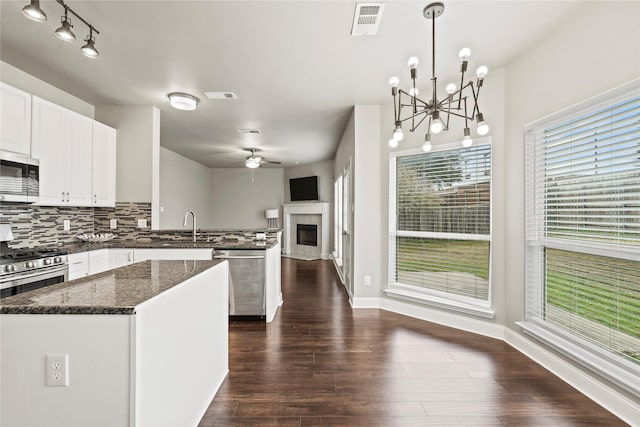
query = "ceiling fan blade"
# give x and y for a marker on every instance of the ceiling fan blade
(271, 162)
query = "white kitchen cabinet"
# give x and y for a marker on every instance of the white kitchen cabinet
(120, 257)
(15, 120)
(172, 254)
(78, 265)
(99, 261)
(104, 165)
(62, 141)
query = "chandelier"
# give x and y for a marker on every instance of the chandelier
(408, 107)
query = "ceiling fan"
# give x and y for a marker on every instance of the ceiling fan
(253, 161)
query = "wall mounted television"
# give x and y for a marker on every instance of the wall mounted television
(304, 189)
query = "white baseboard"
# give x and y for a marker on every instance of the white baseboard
(453, 320)
(607, 397)
(595, 390)
(373, 302)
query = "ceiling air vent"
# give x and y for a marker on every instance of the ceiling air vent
(366, 19)
(220, 95)
(248, 131)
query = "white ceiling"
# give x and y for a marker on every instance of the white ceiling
(293, 65)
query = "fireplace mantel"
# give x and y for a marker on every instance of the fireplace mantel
(314, 208)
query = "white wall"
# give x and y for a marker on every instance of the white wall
(28, 83)
(367, 193)
(184, 185)
(324, 172)
(239, 202)
(99, 349)
(596, 50)
(138, 134)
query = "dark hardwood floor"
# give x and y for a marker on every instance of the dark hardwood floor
(320, 363)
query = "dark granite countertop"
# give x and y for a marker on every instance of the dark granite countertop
(164, 244)
(116, 291)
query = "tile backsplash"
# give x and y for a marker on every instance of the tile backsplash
(43, 226)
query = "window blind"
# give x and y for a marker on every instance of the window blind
(583, 228)
(440, 221)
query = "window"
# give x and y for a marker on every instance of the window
(583, 234)
(337, 220)
(440, 226)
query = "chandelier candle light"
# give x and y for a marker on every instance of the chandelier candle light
(438, 112)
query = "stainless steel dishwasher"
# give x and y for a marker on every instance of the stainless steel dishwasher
(246, 283)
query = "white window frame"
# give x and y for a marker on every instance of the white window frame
(337, 220)
(432, 297)
(621, 372)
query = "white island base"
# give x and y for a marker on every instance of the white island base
(158, 367)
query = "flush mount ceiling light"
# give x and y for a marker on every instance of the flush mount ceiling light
(33, 11)
(64, 32)
(407, 105)
(183, 101)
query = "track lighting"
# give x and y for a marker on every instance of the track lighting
(89, 49)
(438, 111)
(33, 11)
(183, 101)
(64, 32)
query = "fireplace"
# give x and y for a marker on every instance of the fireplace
(307, 234)
(306, 214)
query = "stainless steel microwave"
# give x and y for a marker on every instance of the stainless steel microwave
(19, 178)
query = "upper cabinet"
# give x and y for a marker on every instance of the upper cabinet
(15, 121)
(62, 141)
(104, 165)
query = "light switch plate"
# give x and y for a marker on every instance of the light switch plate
(113, 223)
(142, 223)
(67, 224)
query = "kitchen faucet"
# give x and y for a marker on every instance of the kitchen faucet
(184, 224)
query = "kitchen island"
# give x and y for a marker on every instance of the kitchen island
(146, 345)
(91, 258)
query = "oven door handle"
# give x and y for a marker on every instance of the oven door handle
(17, 281)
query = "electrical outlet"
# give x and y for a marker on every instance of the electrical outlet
(57, 370)
(113, 224)
(142, 223)
(367, 280)
(67, 224)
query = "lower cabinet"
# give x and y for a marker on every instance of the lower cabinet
(82, 264)
(120, 257)
(78, 265)
(172, 253)
(99, 261)
(93, 262)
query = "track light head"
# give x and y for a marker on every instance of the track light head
(64, 31)
(33, 11)
(89, 49)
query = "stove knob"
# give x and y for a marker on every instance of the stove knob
(30, 264)
(57, 259)
(48, 261)
(9, 268)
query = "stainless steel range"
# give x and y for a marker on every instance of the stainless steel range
(25, 270)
